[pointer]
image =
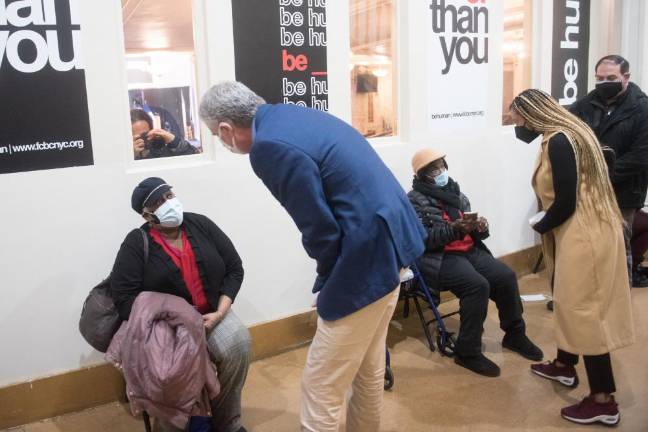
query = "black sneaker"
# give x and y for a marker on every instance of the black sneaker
(521, 344)
(479, 364)
(639, 279)
(641, 269)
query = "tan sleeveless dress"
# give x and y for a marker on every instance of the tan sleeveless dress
(592, 310)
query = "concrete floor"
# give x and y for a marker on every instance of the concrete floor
(431, 393)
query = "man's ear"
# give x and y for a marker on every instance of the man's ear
(225, 128)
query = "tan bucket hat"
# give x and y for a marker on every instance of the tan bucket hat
(424, 157)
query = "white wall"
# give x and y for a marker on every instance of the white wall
(64, 227)
(634, 35)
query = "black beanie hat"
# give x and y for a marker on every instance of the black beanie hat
(148, 191)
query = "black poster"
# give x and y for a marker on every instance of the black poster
(43, 102)
(280, 50)
(570, 48)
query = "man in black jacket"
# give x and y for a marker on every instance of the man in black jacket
(457, 260)
(617, 112)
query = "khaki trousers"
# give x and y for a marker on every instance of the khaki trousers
(348, 353)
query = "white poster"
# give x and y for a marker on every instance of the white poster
(458, 81)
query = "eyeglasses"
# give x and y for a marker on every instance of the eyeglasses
(431, 173)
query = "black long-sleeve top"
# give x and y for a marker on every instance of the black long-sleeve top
(219, 266)
(565, 183)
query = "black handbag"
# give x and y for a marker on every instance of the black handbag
(99, 318)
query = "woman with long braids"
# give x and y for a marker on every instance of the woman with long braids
(583, 246)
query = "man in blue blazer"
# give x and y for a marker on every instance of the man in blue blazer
(355, 221)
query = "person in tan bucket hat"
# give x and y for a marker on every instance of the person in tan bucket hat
(457, 260)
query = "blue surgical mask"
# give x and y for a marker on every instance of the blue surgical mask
(442, 179)
(170, 213)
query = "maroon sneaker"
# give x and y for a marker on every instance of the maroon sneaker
(565, 375)
(588, 411)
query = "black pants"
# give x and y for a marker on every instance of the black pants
(474, 277)
(598, 367)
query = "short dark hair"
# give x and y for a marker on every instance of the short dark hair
(141, 115)
(616, 59)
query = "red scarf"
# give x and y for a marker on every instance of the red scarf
(463, 245)
(185, 259)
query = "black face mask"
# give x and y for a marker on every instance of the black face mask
(525, 134)
(609, 89)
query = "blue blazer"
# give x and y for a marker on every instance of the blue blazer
(354, 217)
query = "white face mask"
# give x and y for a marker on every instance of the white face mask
(170, 213)
(232, 147)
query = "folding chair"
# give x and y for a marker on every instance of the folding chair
(145, 416)
(147, 421)
(389, 374)
(413, 287)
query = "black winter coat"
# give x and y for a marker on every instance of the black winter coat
(625, 130)
(219, 265)
(440, 234)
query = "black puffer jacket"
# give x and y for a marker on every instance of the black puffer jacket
(440, 232)
(625, 130)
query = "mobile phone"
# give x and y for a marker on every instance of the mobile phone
(470, 216)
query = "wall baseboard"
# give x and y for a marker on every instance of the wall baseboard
(277, 336)
(88, 387)
(59, 394)
(524, 261)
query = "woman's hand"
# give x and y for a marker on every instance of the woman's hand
(464, 225)
(166, 136)
(211, 319)
(138, 146)
(482, 225)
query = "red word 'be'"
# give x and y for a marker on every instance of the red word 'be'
(291, 62)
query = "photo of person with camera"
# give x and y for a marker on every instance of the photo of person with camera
(150, 143)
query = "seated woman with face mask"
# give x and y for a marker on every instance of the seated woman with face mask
(189, 257)
(457, 260)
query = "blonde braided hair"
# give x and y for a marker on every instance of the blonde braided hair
(544, 114)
